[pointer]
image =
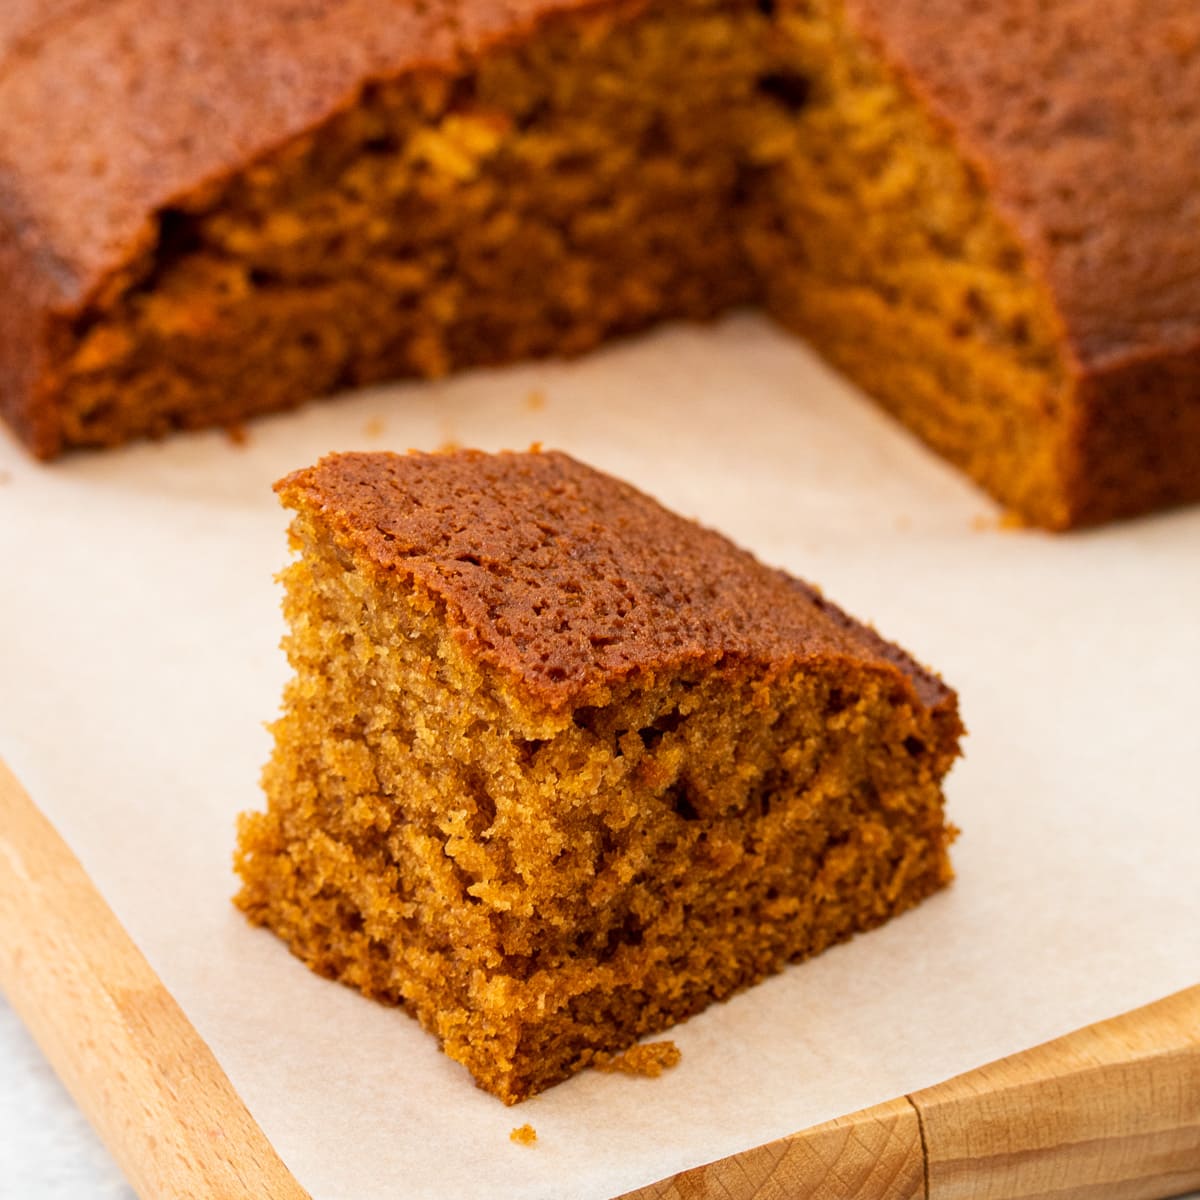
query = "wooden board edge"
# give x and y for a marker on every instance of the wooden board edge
(1109, 1112)
(874, 1154)
(129, 1056)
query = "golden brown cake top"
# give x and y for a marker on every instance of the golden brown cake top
(569, 580)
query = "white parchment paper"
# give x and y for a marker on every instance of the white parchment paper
(138, 661)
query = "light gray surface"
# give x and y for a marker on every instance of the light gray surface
(47, 1150)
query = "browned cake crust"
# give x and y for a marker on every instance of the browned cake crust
(118, 124)
(559, 768)
(571, 582)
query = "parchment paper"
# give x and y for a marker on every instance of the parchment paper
(138, 660)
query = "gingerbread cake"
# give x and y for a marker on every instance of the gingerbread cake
(558, 768)
(984, 212)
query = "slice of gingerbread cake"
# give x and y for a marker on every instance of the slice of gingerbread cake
(558, 768)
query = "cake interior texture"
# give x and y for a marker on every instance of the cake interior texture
(575, 185)
(608, 167)
(558, 769)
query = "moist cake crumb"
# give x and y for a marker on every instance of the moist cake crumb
(648, 1059)
(523, 1135)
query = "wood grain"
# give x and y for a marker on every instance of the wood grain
(875, 1155)
(114, 1034)
(1110, 1112)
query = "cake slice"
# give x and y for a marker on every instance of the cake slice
(558, 768)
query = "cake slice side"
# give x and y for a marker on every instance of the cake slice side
(876, 238)
(539, 878)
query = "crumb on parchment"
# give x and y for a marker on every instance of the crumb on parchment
(535, 400)
(523, 1135)
(374, 427)
(649, 1059)
(1006, 522)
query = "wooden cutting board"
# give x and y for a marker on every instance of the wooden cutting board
(1110, 1112)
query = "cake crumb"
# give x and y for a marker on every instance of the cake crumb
(374, 427)
(237, 433)
(523, 1135)
(535, 401)
(449, 446)
(1004, 522)
(650, 1059)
